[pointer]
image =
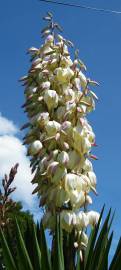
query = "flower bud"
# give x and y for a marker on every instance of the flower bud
(63, 158)
(86, 145)
(49, 39)
(77, 83)
(42, 164)
(55, 172)
(67, 127)
(45, 85)
(52, 168)
(83, 79)
(92, 178)
(35, 147)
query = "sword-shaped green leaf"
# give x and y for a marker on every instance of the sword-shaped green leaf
(8, 258)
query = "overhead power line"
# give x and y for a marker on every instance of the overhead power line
(82, 6)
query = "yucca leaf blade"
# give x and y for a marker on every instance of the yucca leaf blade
(24, 261)
(116, 256)
(8, 258)
(37, 252)
(45, 256)
(57, 260)
(104, 262)
(100, 244)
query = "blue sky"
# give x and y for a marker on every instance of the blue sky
(98, 37)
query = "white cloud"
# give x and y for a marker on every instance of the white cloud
(11, 152)
(6, 126)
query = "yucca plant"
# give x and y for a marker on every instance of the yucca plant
(60, 141)
(32, 252)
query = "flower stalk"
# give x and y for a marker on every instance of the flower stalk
(6, 203)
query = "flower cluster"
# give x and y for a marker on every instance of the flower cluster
(60, 138)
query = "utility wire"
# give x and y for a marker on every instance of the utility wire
(82, 6)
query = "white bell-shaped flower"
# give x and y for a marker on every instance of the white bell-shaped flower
(82, 220)
(87, 165)
(93, 217)
(64, 75)
(77, 199)
(52, 127)
(51, 99)
(41, 119)
(74, 159)
(73, 182)
(68, 220)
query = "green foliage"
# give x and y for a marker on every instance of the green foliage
(32, 252)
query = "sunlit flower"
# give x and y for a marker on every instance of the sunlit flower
(82, 220)
(68, 220)
(52, 127)
(64, 75)
(35, 147)
(51, 99)
(93, 217)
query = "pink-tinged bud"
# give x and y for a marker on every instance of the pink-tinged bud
(66, 146)
(93, 157)
(63, 158)
(56, 172)
(49, 39)
(45, 85)
(52, 168)
(32, 50)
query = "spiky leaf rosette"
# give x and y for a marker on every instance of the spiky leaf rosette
(59, 137)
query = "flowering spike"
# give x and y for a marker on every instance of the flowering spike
(59, 136)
